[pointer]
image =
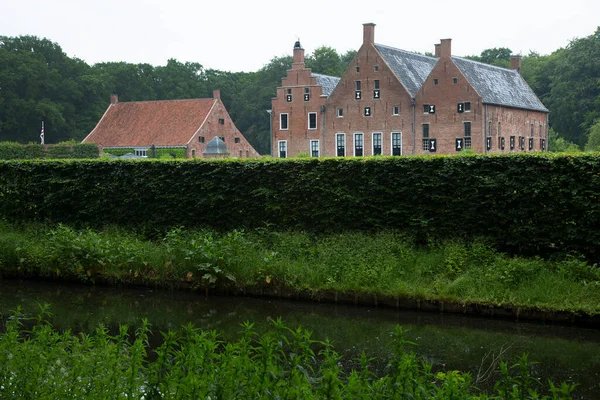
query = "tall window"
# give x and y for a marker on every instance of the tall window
(340, 112)
(359, 144)
(357, 91)
(396, 143)
(376, 143)
(425, 137)
(314, 148)
(312, 120)
(395, 110)
(531, 130)
(283, 149)
(283, 121)
(340, 140)
(540, 130)
(376, 92)
(467, 135)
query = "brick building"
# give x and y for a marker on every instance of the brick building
(393, 102)
(190, 124)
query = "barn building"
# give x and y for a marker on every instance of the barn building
(191, 125)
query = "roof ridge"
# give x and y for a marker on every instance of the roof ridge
(163, 101)
(406, 51)
(482, 63)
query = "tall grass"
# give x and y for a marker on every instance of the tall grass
(37, 361)
(386, 263)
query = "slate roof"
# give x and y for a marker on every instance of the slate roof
(144, 123)
(327, 82)
(216, 146)
(410, 68)
(499, 86)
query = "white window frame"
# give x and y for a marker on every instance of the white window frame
(141, 152)
(287, 118)
(354, 143)
(340, 112)
(310, 143)
(465, 106)
(395, 110)
(373, 142)
(278, 148)
(336, 143)
(316, 123)
(392, 143)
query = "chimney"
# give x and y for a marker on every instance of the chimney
(445, 47)
(216, 94)
(298, 56)
(369, 33)
(437, 50)
(114, 99)
(515, 62)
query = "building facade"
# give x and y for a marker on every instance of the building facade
(189, 124)
(393, 102)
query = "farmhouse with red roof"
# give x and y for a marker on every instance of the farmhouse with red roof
(191, 124)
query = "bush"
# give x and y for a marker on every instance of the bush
(527, 204)
(17, 151)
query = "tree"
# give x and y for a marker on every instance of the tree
(593, 143)
(499, 56)
(574, 98)
(557, 144)
(325, 60)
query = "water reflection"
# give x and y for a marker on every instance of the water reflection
(448, 341)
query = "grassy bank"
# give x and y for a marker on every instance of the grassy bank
(38, 361)
(386, 264)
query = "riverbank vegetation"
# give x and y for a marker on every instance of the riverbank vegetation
(384, 264)
(38, 361)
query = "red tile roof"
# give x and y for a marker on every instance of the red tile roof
(162, 123)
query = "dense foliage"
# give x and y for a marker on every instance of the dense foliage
(17, 151)
(530, 204)
(41, 362)
(40, 82)
(385, 264)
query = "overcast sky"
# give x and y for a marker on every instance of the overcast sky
(243, 35)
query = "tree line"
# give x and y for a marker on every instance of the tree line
(38, 81)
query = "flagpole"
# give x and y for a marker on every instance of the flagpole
(42, 134)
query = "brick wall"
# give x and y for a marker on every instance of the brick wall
(298, 136)
(219, 123)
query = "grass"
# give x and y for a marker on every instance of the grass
(38, 361)
(385, 263)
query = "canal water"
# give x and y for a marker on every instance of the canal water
(447, 341)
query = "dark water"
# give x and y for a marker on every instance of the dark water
(447, 341)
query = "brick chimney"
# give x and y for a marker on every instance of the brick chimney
(298, 56)
(445, 47)
(369, 33)
(437, 50)
(216, 94)
(515, 62)
(114, 99)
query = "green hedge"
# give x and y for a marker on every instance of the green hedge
(168, 154)
(18, 151)
(527, 203)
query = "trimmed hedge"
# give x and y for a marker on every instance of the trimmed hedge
(18, 151)
(531, 203)
(169, 153)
